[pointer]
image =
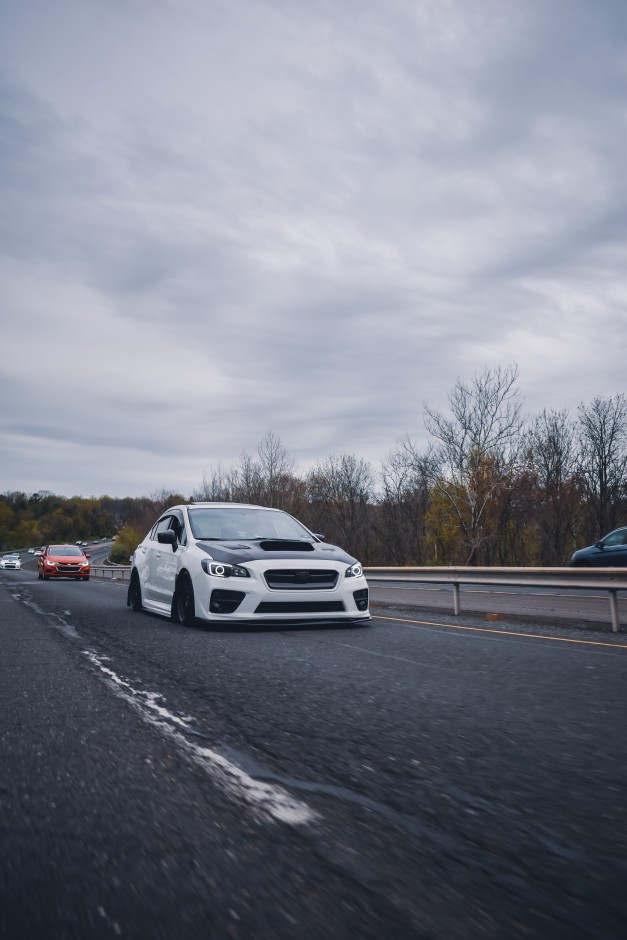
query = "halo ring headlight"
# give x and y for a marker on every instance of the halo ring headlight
(354, 571)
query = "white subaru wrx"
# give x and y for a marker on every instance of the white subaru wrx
(232, 562)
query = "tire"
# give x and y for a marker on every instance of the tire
(85, 578)
(134, 596)
(40, 575)
(183, 603)
(46, 577)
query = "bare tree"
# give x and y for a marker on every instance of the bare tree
(276, 469)
(267, 480)
(248, 486)
(340, 490)
(406, 476)
(552, 459)
(476, 448)
(603, 461)
(217, 487)
(270, 479)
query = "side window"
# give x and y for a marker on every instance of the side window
(162, 526)
(178, 525)
(174, 522)
(616, 538)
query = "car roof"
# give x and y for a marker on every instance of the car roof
(225, 506)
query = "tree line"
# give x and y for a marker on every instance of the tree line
(490, 488)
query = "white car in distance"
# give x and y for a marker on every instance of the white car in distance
(239, 563)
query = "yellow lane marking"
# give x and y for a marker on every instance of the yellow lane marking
(536, 636)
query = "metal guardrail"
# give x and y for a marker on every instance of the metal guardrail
(111, 572)
(611, 580)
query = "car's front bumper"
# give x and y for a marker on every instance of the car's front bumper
(66, 571)
(251, 600)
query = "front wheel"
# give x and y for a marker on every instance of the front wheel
(183, 604)
(134, 596)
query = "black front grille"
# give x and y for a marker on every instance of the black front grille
(300, 607)
(68, 569)
(301, 579)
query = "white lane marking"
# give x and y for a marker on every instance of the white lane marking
(269, 800)
(53, 620)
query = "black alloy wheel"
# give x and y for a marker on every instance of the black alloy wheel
(183, 605)
(134, 596)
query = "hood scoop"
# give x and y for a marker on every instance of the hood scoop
(284, 545)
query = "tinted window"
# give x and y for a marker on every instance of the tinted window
(616, 538)
(245, 523)
(178, 525)
(162, 526)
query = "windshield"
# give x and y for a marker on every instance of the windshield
(64, 550)
(245, 523)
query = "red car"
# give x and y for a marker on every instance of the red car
(63, 561)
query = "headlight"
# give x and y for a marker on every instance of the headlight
(221, 570)
(84, 564)
(355, 571)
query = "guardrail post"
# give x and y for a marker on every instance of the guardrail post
(456, 601)
(614, 610)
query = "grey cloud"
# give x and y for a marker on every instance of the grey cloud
(311, 218)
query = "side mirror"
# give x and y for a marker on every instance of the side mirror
(87, 555)
(319, 535)
(598, 544)
(167, 538)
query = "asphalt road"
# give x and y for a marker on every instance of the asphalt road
(418, 777)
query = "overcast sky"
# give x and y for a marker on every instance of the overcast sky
(225, 217)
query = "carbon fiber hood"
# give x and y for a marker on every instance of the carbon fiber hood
(239, 551)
